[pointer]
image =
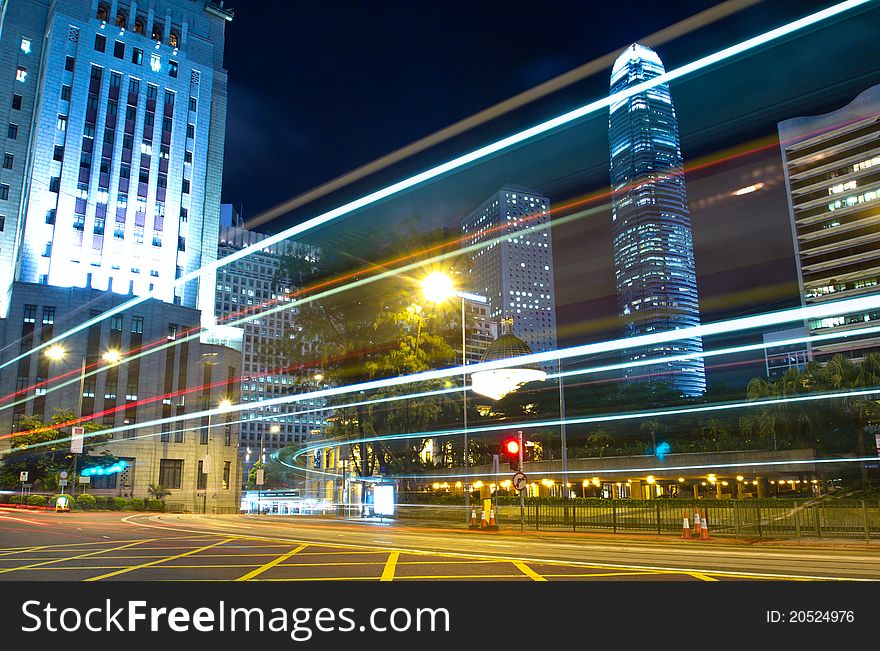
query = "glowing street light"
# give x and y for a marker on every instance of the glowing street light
(112, 356)
(437, 287)
(55, 353)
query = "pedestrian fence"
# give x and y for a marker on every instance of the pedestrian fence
(736, 518)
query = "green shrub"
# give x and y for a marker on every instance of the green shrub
(135, 504)
(15, 499)
(118, 503)
(101, 502)
(37, 500)
(155, 505)
(86, 501)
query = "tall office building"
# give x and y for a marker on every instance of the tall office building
(832, 172)
(115, 117)
(249, 288)
(653, 244)
(514, 266)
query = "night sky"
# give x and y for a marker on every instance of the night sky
(316, 90)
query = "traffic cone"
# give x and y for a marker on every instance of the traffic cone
(696, 523)
(483, 522)
(492, 522)
(473, 524)
(685, 527)
(704, 532)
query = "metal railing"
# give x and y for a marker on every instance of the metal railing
(739, 518)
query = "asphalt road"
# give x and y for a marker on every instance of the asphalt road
(106, 546)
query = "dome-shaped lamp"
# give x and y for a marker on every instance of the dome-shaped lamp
(497, 383)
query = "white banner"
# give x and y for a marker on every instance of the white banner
(76, 439)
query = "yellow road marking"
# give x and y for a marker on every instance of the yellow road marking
(529, 572)
(456, 577)
(73, 558)
(701, 576)
(390, 565)
(542, 561)
(579, 575)
(271, 564)
(157, 562)
(22, 551)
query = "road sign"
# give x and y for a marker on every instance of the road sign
(28, 485)
(520, 481)
(22, 476)
(85, 479)
(76, 439)
(261, 474)
(62, 483)
(63, 474)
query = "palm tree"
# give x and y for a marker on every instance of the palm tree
(654, 427)
(158, 491)
(601, 438)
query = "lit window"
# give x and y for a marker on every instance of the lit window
(21, 73)
(26, 45)
(155, 62)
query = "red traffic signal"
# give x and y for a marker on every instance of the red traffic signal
(510, 448)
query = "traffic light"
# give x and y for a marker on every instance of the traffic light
(510, 448)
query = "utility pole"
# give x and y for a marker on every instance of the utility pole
(522, 497)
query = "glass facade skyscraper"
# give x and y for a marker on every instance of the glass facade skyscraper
(651, 227)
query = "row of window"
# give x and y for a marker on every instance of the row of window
(139, 26)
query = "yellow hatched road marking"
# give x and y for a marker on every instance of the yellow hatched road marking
(542, 561)
(73, 558)
(158, 561)
(529, 572)
(701, 576)
(271, 564)
(390, 565)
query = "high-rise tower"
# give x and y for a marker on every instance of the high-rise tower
(514, 267)
(653, 244)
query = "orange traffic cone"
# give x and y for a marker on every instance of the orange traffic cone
(704, 532)
(483, 522)
(696, 523)
(492, 522)
(473, 524)
(685, 527)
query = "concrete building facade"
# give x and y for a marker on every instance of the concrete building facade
(159, 370)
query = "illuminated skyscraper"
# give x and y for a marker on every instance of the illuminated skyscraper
(653, 244)
(832, 173)
(514, 267)
(117, 119)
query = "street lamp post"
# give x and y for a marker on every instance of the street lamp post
(437, 288)
(56, 353)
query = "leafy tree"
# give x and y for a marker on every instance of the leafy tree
(367, 332)
(43, 449)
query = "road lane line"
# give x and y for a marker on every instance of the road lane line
(702, 576)
(390, 566)
(73, 558)
(132, 568)
(549, 561)
(529, 572)
(271, 564)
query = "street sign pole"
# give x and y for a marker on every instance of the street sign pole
(522, 498)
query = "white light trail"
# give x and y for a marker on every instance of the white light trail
(466, 159)
(603, 418)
